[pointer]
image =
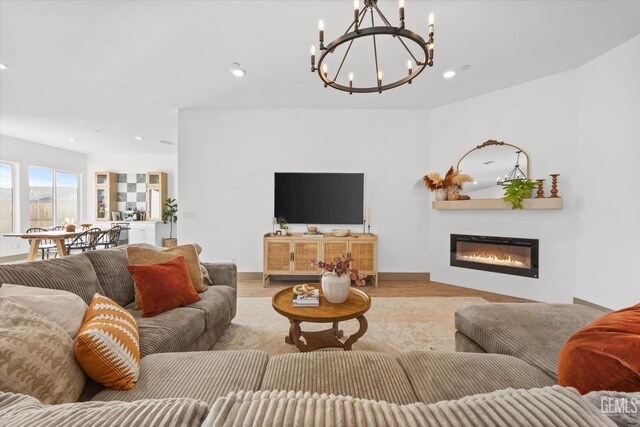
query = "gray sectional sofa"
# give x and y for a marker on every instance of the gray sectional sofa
(194, 386)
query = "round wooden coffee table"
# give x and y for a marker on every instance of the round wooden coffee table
(354, 307)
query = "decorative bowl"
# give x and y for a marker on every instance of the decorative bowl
(312, 229)
(340, 232)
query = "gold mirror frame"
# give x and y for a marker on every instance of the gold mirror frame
(492, 142)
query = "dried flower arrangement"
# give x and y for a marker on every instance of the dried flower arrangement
(453, 180)
(341, 265)
(434, 181)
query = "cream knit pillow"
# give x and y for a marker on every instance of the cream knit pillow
(37, 356)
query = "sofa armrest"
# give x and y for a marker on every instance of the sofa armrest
(222, 273)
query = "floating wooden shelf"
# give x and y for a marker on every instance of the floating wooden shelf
(497, 204)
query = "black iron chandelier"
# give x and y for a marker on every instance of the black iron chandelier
(356, 30)
(515, 174)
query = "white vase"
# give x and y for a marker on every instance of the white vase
(441, 195)
(336, 289)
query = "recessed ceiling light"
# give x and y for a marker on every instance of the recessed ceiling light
(236, 70)
(73, 139)
(165, 142)
(465, 67)
(449, 74)
(139, 138)
(3, 66)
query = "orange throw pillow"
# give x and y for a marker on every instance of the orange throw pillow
(604, 355)
(108, 347)
(163, 287)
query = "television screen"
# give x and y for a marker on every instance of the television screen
(319, 198)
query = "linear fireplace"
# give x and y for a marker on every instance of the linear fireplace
(507, 255)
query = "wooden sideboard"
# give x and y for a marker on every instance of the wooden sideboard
(291, 255)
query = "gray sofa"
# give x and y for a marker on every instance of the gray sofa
(193, 386)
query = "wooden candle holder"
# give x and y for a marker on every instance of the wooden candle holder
(554, 184)
(540, 189)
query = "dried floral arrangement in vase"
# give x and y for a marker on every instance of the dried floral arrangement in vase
(448, 187)
(337, 277)
(457, 182)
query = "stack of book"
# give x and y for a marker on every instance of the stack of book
(312, 300)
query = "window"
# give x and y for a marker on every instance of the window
(6, 197)
(53, 196)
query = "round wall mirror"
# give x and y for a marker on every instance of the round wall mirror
(491, 165)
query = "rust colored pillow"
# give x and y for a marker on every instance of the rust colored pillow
(604, 355)
(144, 255)
(163, 287)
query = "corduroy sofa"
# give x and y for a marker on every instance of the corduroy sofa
(181, 383)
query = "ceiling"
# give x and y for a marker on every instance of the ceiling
(104, 72)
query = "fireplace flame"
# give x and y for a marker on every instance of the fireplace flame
(493, 259)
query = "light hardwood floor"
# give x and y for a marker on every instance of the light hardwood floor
(386, 288)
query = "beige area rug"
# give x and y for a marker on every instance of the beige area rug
(395, 325)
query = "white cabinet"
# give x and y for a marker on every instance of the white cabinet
(150, 232)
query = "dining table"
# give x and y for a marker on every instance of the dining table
(58, 237)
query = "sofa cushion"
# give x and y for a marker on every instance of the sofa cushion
(143, 256)
(111, 268)
(17, 410)
(532, 332)
(439, 376)
(108, 348)
(163, 287)
(72, 273)
(63, 308)
(36, 356)
(604, 355)
(216, 304)
(203, 375)
(550, 406)
(364, 374)
(173, 330)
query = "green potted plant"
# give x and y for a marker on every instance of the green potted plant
(170, 215)
(517, 190)
(282, 224)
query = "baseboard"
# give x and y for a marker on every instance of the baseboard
(392, 276)
(13, 258)
(590, 304)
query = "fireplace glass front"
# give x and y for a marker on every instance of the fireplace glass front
(508, 255)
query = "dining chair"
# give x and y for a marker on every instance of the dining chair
(109, 238)
(86, 241)
(47, 246)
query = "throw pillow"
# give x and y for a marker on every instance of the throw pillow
(604, 355)
(37, 356)
(163, 287)
(63, 308)
(205, 275)
(108, 347)
(143, 256)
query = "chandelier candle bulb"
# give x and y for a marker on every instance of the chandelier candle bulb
(356, 12)
(350, 83)
(409, 70)
(431, 24)
(313, 58)
(321, 29)
(401, 11)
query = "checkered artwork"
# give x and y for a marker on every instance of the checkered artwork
(132, 191)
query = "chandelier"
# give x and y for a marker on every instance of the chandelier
(415, 64)
(515, 174)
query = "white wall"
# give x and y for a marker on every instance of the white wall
(227, 159)
(608, 165)
(25, 154)
(123, 163)
(541, 118)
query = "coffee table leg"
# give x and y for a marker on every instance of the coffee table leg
(353, 338)
(294, 333)
(338, 333)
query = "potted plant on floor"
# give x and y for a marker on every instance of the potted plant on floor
(170, 215)
(337, 277)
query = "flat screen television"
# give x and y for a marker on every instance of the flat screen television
(319, 198)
